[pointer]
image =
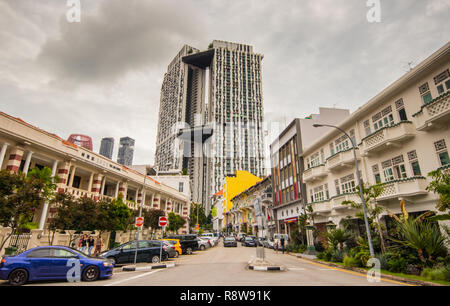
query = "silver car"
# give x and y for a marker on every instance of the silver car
(203, 243)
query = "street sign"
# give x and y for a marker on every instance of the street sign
(139, 221)
(162, 221)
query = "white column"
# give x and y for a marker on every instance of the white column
(45, 208)
(72, 175)
(91, 180)
(102, 190)
(117, 190)
(2, 154)
(27, 162)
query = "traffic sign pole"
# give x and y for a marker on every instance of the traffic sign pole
(140, 215)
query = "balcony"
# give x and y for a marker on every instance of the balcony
(434, 114)
(266, 197)
(341, 160)
(404, 188)
(336, 201)
(78, 193)
(387, 137)
(314, 173)
(321, 208)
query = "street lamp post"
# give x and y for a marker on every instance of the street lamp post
(140, 215)
(361, 190)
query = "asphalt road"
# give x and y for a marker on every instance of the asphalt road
(221, 266)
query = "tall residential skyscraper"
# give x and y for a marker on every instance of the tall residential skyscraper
(220, 87)
(106, 147)
(126, 150)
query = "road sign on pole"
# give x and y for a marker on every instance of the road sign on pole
(139, 221)
(162, 221)
(197, 226)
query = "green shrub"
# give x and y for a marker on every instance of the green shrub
(325, 255)
(337, 255)
(441, 274)
(397, 264)
(302, 248)
(350, 262)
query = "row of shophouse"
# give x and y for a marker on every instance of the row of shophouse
(81, 172)
(400, 135)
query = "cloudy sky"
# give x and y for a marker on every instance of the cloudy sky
(102, 76)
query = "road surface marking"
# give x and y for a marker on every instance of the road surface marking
(131, 278)
(355, 273)
(296, 269)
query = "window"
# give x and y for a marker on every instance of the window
(367, 127)
(441, 150)
(387, 170)
(342, 144)
(376, 174)
(412, 156)
(401, 110)
(61, 253)
(180, 186)
(331, 148)
(440, 89)
(318, 194)
(348, 184)
(425, 93)
(394, 169)
(315, 160)
(383, 118)
(338, 189)
(39, 253)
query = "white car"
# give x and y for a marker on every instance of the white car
(213, 240)
(204, 243)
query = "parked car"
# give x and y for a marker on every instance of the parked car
(268, 243)
(260, 241)
(176, 244)
(171, 248)
(229, 242)
(204, 243)
(50, 263)
(188, 242)
(241, 237)
(249, 242)
(147, 251)
(213, 240)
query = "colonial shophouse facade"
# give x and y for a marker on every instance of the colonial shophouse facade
(81, 171)
(402, 134)
(244, 214)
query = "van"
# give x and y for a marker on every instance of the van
(277, 238)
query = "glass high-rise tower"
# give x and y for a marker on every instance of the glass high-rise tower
(106, 147)
(220, 87)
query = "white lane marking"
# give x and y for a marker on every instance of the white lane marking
(131, 278)
(326, 269)
(296, 269)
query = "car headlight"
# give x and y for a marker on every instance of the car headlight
(107, 264)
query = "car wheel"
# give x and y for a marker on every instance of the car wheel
(202, 247)
(176, 254)
(155, 259)
(18, 277)
(189, 251)
(90, 274)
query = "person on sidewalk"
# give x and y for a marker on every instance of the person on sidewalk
(84, 243)
(91, 244)
(282, 244)
(98, 245)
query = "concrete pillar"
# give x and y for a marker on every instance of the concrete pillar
(45, 208)
(102, 189)
(157, 201)
(91, 181)
(2, 154)
(310, 240)
(169, 205)
(72, 174)
(63, 173)
(26, 167)
(116, 193)
(96, 186)
(123, 189)
(15, 158)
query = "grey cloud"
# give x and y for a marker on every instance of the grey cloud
(118, 37)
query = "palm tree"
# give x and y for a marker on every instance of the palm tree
(337, 238)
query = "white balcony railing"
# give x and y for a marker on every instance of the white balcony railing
(342, 160)
(433, 114)
(314, 173)
(392, 135)
(404, 188)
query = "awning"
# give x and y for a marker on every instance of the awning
(290, 220)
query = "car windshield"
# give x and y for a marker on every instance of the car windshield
(248, 239)
(229, 239)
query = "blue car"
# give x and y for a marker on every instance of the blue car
(53, 263)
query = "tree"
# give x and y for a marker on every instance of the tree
(337, 237)
(370, 194)
(441, 186)
(175, 222)
(113, 215)
(420, 234)
(64, 215)
(197, 209)
(20, 197)
(151, 218)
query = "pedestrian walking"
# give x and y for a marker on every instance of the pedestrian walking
(282, 244)
(91, 244)
(98, 245)
(84, 243)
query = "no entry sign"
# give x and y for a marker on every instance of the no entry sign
(139, 221)
(162, 221)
